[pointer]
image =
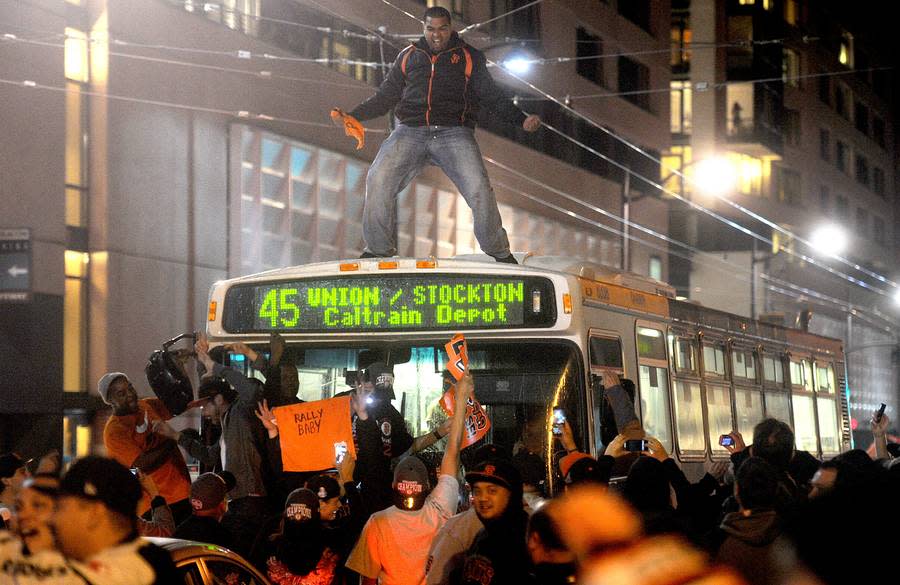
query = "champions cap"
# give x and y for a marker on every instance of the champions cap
(410, 483)
(382, 377)
(302, 505)
(209, 388)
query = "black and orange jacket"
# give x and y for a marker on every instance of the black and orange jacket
(444, 89)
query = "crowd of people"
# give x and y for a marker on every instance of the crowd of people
(769, 514)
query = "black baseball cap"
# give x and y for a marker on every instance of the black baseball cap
(103, 480)
(10, 463)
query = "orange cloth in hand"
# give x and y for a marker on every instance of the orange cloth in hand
(352, 127)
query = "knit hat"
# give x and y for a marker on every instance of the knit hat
(104, 480)
(324, 486)
(496, 471)
(106, 381)
(410, 483)
(208, 491)
(10, 463)
(302, 505)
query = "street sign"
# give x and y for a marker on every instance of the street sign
(15, 265)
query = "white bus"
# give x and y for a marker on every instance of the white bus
(539, 334)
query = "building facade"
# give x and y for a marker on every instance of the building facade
(794, 98)
(154, 147)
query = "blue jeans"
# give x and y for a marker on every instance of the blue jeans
(399, 160)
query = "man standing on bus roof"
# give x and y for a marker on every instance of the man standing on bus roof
(438, 85)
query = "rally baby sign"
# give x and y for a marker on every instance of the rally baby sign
(312, 432)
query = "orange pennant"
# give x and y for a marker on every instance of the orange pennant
(458, 354)
(312, 434)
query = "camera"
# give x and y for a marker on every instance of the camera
(637, 445)
(726, 441)
(559, 419)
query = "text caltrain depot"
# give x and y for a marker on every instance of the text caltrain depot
(399, 302)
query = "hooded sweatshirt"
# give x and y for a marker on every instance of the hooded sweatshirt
(499, 554)
(749, 545)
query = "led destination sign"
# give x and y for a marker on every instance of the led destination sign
(399, 302)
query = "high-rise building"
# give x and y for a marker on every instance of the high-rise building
(783, 107)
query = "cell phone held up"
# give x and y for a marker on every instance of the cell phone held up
(636, 445)
(559, 419)
(880, 412)
(726, 441)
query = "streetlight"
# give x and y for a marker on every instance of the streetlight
(715, 176)
(828, 240)
(518, 64)
(897, 296)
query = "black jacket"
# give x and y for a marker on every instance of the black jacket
(429, 89)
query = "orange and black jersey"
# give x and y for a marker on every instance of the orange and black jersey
(444, 89)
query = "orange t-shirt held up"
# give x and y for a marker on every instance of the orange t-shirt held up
(127, 437)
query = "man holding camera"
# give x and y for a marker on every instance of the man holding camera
(381, 435)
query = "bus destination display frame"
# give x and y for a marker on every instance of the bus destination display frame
(390, 302)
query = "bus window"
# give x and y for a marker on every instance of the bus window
(651, 343)
(714, 359)
(773, 370)
(654, 384)
(689, 416)
(606, 352)
(655, 404)
(684, 355)
(804, 424)
(718, 405)
(778, 405)
(748, 409)
(743, 364)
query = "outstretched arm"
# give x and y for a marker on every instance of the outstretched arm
(388, 95)
(465, 389)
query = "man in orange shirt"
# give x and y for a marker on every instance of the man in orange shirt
(130, 440)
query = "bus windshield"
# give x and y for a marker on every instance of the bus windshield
(518, 382)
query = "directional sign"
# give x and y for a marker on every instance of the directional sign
(15, 265)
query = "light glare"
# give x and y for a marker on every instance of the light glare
(518, 65)
(715, 176)
(829, 240)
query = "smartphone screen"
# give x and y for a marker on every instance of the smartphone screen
(559, 419)
(726, 441)
(636, 445)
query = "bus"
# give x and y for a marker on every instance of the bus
(539, 335)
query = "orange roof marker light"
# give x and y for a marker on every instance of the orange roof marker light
(388, 265)
(349, 266)
(567, 303)
(430, 263)
(211, 314)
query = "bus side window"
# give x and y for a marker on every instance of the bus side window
(653, 378)
(605, 353)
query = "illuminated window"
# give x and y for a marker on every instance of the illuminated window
(743, 364)
(75, 322)
(76, 55)
(714, 359)
(654, 394)
(680, 107)
(791, 68)
(778, 406)
(845, 54)
(748, 411)
(791, 12)
(804, 424)
(676, 160)
(718, 407)
(655, 268)
(680, 37)
(739, 100)
(749, 172)
(689, 416)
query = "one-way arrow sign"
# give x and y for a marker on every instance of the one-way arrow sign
(15, 265)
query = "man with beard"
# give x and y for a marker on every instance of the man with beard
(131, 440)
(436, 86)
(499, 554)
